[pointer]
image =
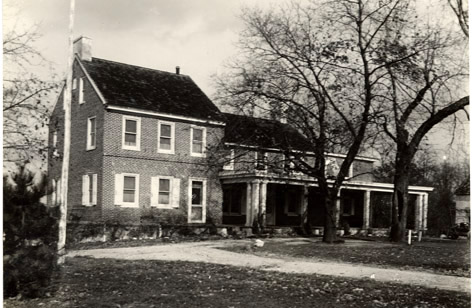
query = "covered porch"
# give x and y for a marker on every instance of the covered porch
(289, 202)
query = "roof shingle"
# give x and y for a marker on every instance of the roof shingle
(132, 86)
(263, 133)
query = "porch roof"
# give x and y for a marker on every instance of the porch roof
(238, 177)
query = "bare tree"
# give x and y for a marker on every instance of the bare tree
(419, 93)
(26, 98)
(461, 10)
(318, 66)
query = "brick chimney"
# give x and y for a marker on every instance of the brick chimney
(83, 48)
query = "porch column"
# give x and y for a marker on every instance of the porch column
(425, 211)
(366, 218)
(418, 212)
(338, 209)
(304, 207)
(263, 200)
(248, 205)
(255, 200)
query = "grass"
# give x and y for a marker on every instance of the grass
(86, 282)
(444, 257)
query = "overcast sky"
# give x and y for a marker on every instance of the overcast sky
(198, 36)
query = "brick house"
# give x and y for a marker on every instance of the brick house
(140, 141)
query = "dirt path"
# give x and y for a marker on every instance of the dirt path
(208, 252)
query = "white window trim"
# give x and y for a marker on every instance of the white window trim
(89, 127)
(74, 83)
(90, 178)
(54, 139)
(172, 137)
(171, 191)
(229, 165)
(81, 90)
(136, 199)
(137, 147)
(203, 154)
(53, 196)
(204, 200)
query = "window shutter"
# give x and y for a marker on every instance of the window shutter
(94, 189)
(85, 191)
(175, 193)
(154, 191)
(118, 189)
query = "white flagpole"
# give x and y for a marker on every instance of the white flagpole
(65, 161)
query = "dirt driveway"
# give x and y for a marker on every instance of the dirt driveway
(208, 252)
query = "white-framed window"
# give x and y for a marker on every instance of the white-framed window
(58, 192)
(197, 141)
(89, 189)
(74, 83)
(165, 137)
(261, 159)
(131, 133)
(127, 189)
(81, 91)
(54, 139)
(196, 200)
(53, 195)
(91, 133)
(229, 161)
(165, 192)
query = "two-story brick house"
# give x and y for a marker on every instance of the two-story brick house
(139, 142)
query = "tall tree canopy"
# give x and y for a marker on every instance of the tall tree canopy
(332, 69)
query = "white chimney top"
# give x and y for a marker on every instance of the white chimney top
(83, 48)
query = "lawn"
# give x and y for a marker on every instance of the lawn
(443, 257)
(86, 282)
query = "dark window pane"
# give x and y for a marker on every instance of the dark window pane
(197, 148)
(197, 134)
(165, 143)
(165, 130)
(129, 182)
(197, 188)
(92, 124)
(164, 198)
(131, 126)
(130, 139)
(128, 196)
(164, 185)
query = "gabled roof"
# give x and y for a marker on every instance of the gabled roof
(263, 133)
(132, 86)
(464, 189)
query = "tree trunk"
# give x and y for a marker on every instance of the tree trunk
(329, 234)
(400, 200)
